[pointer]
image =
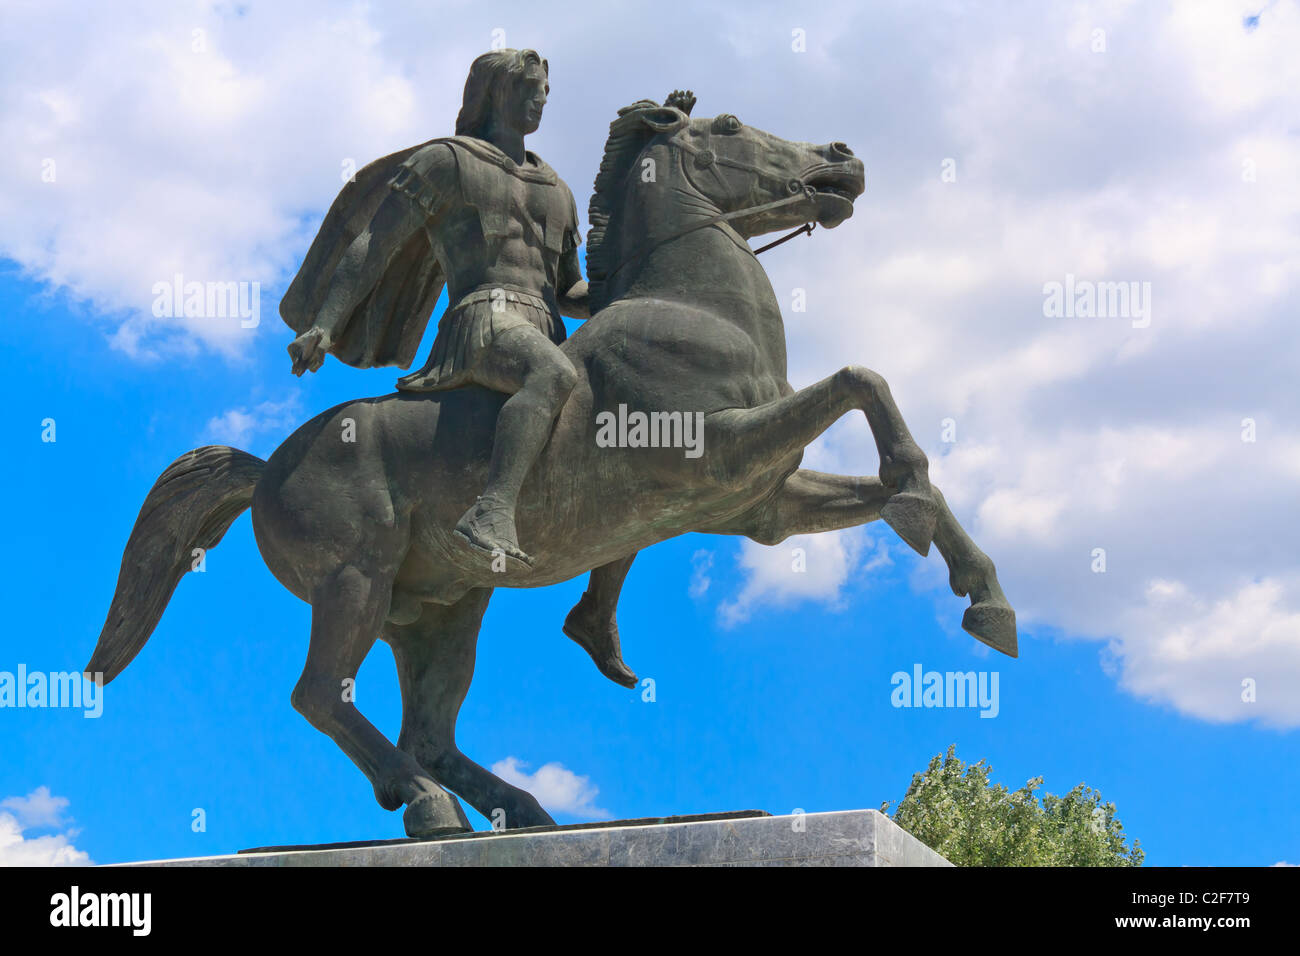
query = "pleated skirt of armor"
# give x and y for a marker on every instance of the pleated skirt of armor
(467, 330)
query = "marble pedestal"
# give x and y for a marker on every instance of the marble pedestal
(746, 838)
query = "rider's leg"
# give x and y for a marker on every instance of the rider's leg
(592, 622)
(526, 363)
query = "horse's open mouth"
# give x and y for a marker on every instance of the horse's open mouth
(836, 189)
(833, 199)
(842, 191)
(837, 181)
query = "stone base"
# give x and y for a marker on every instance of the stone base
(746, 838)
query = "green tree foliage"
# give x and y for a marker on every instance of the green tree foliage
(955, 810)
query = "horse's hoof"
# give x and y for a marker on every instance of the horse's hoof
(528, 813)
(913, 517)
(994, 625)
(428, 815)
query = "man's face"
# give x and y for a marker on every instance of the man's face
(523, 111)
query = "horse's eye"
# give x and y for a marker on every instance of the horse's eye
(728, 124)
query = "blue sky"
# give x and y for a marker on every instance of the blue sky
(1162, 158)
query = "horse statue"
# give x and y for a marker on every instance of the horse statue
(684, 320)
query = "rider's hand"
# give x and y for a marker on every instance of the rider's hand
(308, 350)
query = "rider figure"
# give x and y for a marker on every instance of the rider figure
(502, 230)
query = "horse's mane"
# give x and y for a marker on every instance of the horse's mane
(627, 137)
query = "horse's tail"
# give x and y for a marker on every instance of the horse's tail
(190, 506)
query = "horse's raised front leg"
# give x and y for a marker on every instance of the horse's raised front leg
(348, 609)
(990, 617)
(741, 442)
(812, 501)
(435, 664)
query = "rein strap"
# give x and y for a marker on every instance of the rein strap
(806, 193)
(807, 227)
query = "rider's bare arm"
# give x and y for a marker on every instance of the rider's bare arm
(572, 287)
(361, 266)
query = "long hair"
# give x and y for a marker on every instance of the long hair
(489, 76)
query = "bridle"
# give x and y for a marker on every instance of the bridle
(708, 159)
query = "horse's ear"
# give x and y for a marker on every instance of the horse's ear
(664, 119)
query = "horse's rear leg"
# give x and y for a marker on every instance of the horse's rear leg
(435, 664)
(742, 441)
(348, 609)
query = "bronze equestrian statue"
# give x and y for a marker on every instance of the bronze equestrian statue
(495, 224)
(358, 511)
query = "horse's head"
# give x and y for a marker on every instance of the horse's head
(714, 169)
(737, 167)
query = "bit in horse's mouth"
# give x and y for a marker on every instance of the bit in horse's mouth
(836, 182)
(832, 190)
(836, 189)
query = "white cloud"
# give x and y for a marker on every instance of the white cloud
(1167, 159)
(1223, 659)
(38, 810)
(236, 426)
(813, 567)
(1075, 434)
(556, 788)
(701, 564)
(192, 138)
